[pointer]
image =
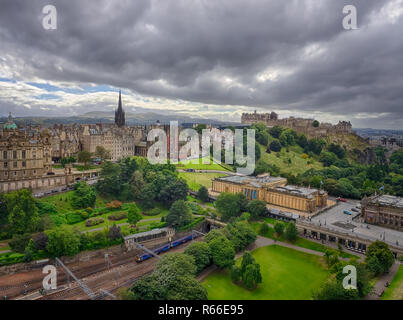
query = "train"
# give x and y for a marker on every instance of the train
(166, 247)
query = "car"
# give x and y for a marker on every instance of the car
(347, 212)
(341, 199)
(190, 170)
(354, 209)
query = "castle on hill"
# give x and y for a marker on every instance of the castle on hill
(301, 125)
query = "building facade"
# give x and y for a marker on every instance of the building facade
(383, 210)
(274, 191)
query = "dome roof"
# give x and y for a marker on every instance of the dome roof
(9, 125)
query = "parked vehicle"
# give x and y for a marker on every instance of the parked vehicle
(354, 209)
(341, 199)
(348, 212)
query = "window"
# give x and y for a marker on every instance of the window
(23, 154)
(4, 155)
(5, 164)
(15, 164)
(15, 173)
(14, 154)
(24, 164)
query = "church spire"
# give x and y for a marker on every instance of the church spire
(119, 113)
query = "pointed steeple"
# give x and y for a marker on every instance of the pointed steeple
(119, 113)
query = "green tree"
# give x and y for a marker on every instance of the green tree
(256, 208)
(102, 153)
(236, 274)
(264, 228)
(133, 214)
(63, 242)
(213, 234)
(379, 258)
(287, 137)
(333, 290)
(201, 254)
(315, 123)
(22, 211)
(19, 242)
(83, 196)
(222, 252)
(275, 146)
(202, 194)
(279, 228)
(137, 182)
(276, 131)
(247, 259)
(173, 189)
(291, 232)
(252, 276)
(84, 157)
(228, 205)
(328, 158)
(186, 288)
(179, 214)
(109, 182)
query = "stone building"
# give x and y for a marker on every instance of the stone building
(274, 191)
(23, 153)
(383, 210)
(65, 141)
(300, 125)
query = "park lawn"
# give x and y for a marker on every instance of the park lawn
(297, 165)
(287, 275)
(195, 180)
(199, 165)
(300, 242)
(395, 289)
(62, 201)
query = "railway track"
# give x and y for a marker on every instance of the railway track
(118, 276)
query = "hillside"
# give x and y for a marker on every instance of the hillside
(289, 162)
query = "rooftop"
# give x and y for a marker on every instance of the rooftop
(297, 190)
(387, 200)
(146, 233)
(255, 181)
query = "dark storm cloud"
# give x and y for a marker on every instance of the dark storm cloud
(213, 52)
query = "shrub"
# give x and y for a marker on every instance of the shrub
(19, 242)
(279, 228)
(117, 216)
(74, 217)
(116, 204)
(264, 228)
(153, 212)
(89, 210)
(84, 214)
(93, 222)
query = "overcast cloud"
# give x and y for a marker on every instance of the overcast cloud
(215, 58)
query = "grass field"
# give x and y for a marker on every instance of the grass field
(196, 180)
(297, 165)
(199, 165)
(300, 242)
(395, 289)
(287, 274)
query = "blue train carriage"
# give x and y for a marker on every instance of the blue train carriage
(182, 240)
(166, 247)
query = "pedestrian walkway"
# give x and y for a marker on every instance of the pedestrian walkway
(380, 285)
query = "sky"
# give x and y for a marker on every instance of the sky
(205, 58)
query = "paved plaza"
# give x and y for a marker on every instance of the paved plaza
(335, 219)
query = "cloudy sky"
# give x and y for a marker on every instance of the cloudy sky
(205, 58)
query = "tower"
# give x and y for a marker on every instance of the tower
(119, 113)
